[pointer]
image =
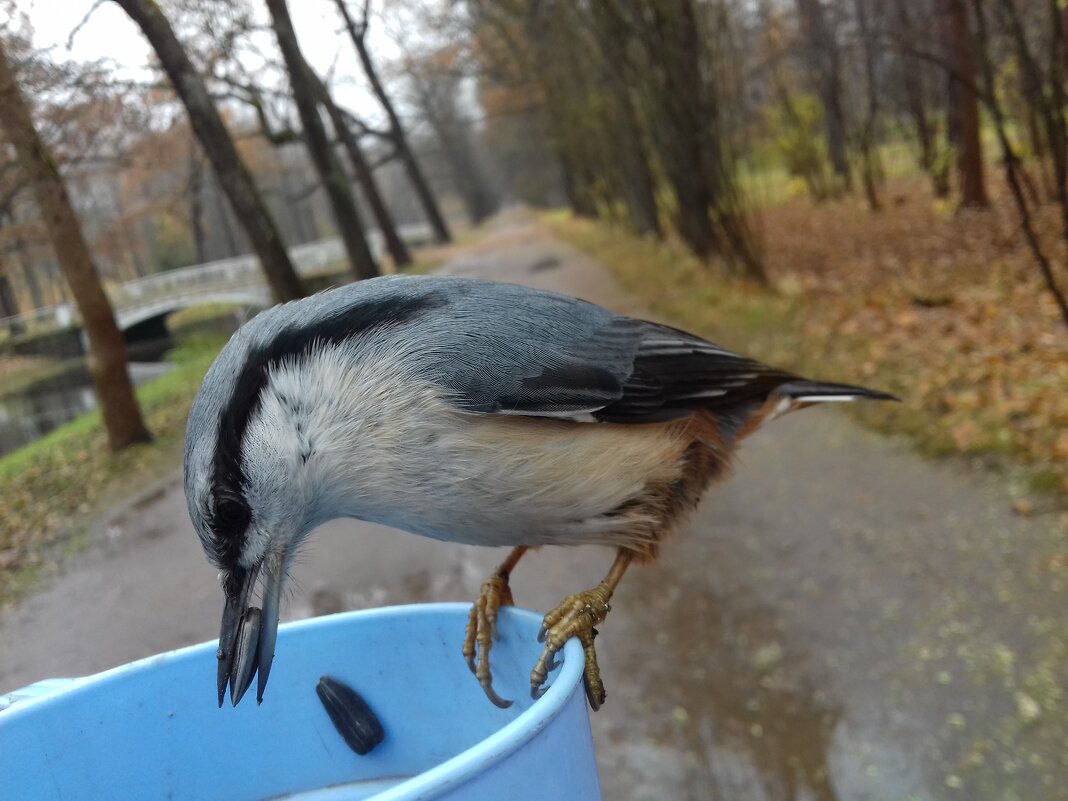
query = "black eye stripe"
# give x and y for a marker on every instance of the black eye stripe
(228, 470)
(230, 518)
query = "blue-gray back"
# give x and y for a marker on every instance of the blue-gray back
(503, 348)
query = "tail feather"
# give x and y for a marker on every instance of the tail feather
(799, 393)
(823, 392)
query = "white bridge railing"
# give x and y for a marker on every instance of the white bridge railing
(240, 278)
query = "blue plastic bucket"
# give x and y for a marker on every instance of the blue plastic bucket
(152, 730)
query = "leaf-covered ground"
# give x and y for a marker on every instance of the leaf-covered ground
(52, 486)
(945, 310)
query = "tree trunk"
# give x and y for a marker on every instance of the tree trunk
(871, 170)
(636, 176)
(612, 33)
(224, 214)
(233, 175)
(823, 59)
(912, 78)
(107, 351)
(397, 249)
(196, 202)
(679, 130)
(9, 305)
(13, 252)
(965, 103)
(578, 195)
(1044, 96)
(929, 135)
(415, 174)
(1010, 161)
(332, 174)
(28, 272)
(437, 102)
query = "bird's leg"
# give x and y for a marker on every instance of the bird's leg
(576, 617)
(482, 623)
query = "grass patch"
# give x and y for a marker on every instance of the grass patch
(192, 316)
(54, 482)
(423, 264)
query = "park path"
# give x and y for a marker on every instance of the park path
(841, 620)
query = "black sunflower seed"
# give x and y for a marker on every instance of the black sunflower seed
(353, 719)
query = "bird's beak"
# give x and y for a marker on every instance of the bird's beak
(247, 636)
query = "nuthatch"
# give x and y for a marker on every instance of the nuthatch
(468, 411)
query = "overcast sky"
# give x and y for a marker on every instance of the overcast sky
(109, 34)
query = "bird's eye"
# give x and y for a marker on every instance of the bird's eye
(231, 513)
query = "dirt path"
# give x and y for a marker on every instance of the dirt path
(840, 621)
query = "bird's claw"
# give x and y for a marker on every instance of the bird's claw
(491, 694)
(577, 616)
(482, 631)
(591, 673)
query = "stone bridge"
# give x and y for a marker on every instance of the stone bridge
(145, 302)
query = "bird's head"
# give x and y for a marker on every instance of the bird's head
(287, 432)
(253, 489)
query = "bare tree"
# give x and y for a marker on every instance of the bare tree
(358, 34)
(871, 169)
(794, 118)
(107, 351)
(685, 106)
(912, 80)
(823, 57)
(435, 82)
(1011, 162)
(195, 189)
(907, 29)
(364, 175)
(612, 32)
(964, 103)
(9, 306)
(1044, 91)
(671, 98)
(306, 96)
(680, 118)
(11, 252)
(233, 176)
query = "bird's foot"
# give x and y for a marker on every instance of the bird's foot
(575, 617)
(482, 631)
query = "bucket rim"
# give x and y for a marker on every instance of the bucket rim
(447, 775)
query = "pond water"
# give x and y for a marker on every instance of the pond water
(50, 402)
(43, 406)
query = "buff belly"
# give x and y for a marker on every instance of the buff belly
(522, 481)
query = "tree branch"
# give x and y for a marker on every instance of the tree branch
(84, 20)
(1010, 161)
(252, 95)
(363, 129)
(385, 158)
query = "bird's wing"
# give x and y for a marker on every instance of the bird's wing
(532, 353)
(674, 373)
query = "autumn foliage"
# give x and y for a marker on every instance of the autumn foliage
(943, 309)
